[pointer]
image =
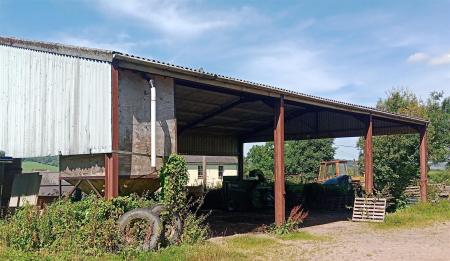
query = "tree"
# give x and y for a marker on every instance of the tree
(304, 157)
(301, 157)
(396, 157)
(438, 113)
(261, 157)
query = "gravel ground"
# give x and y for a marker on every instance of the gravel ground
(358, 241)
(346, 240)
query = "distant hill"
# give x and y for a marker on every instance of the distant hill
(48, 160)
(30, 166)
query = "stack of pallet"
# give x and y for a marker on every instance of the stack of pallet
(412, 193)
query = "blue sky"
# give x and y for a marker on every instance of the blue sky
(353, 51)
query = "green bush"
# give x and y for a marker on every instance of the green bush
(87, 226)
(194, 230)
(174, 179)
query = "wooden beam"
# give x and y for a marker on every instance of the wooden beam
(279, 163)
(368, 157)
(423, 164)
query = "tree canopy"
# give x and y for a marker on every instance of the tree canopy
(301, 157)
(396, 157)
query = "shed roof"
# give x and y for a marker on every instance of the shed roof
(186, 75)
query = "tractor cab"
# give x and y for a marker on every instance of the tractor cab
(332, 169)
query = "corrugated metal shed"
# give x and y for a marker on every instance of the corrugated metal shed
(53, 103)
(242, 111)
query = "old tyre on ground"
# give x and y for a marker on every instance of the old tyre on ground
(173, 230)
(151, 232)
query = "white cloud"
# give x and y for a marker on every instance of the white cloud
(288, 65)
(174, 18)
(85, 42)
(442, 59)
(418, 57)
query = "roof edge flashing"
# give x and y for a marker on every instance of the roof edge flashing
(61, 49)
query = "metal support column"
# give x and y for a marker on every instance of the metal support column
(368, 157)
(278, 138)
(112, 159)
(241, 160)
(423, 164)
(205, 173)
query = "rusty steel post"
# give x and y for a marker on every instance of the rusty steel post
(279, 163)
(112, 159)
(423, 164)
(368, 157)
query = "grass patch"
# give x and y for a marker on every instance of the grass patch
(439, 176)
(30, 166)
(302, 235)
(251, 242)
(419, 215)
(205, 251)
(245, 247)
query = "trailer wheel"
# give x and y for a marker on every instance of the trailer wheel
(173, 230)
(145, 223)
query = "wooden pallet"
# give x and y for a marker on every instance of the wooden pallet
(369, 209)
(412, 194)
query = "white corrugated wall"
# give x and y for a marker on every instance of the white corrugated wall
(51, 104)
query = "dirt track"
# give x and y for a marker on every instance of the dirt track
(357, 241)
